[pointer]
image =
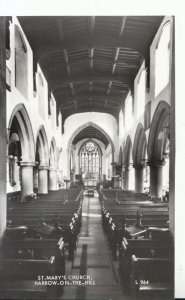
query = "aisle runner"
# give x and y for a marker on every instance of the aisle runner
(93, 260)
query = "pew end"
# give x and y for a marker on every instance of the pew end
(152, 277)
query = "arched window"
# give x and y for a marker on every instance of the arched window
(21, 63)
(162, 60)
(90, 158)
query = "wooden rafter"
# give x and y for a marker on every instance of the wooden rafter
(91, 54)
(90, 86)
(93, 67)
(92, 25)
(92, 77)
(61, 33)
(116, 54)
(93, 95)
(123, 22)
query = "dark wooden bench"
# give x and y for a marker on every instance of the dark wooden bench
(32, 249)
(50, 218)
(18, 277)
(152, 276)
(45, 231)
(37, 249)
(141, 248)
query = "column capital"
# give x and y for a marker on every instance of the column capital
(27, 163)
(156, 163)
(138, 166)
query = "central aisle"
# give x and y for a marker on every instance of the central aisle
(92, 258)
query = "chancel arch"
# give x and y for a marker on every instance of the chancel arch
(90, 130)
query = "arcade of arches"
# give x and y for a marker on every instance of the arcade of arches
(82, 112)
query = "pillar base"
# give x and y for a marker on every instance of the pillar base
(26, 178)
(139, 180)
(53, 180)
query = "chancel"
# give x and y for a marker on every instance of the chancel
(87, 157)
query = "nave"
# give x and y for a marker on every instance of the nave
(87, 103)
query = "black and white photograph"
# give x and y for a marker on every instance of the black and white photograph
(87, 156)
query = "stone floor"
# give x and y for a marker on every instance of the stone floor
(92, 258)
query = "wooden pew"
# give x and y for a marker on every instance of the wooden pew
(152, 276)
(18, 277)
(113, 222)
(65, 218)
(36, 250)
(45, 231)
(153, 216)
(141, 248)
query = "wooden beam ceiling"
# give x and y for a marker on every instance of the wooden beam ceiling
(90, 62)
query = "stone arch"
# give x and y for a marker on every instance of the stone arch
(42, 161)
(80, 129)
(128, 151)
(140, 160)
(128, 162)
(95, 126)
(52, 175)
(159, 132)
(120, 155)
(53, 153)
(42, 149)
(140, 145)
(20, 123)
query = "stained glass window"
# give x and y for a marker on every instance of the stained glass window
(90, 158)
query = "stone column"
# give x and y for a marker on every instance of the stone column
(113, 169)
(123, 177)
(43, 180)
(156, 181)
(53, 182)
(139, 179)
(26, 178)
(3, 131)
(126, 178)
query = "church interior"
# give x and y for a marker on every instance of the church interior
(87, 156)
